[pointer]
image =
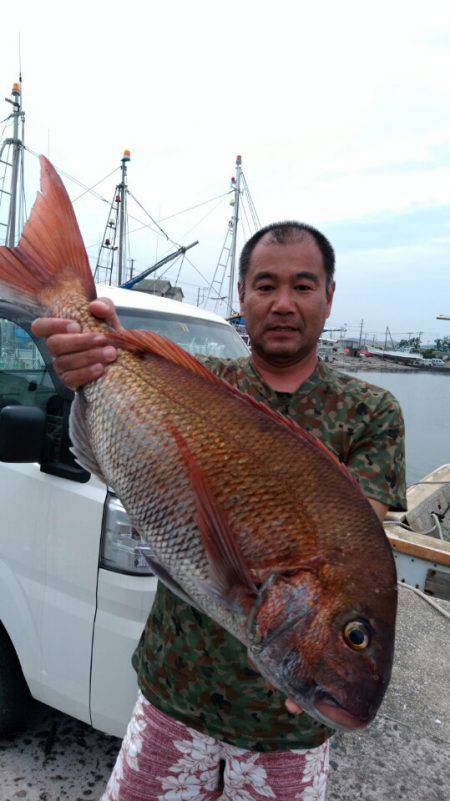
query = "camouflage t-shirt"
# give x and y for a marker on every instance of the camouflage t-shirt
(188, 666)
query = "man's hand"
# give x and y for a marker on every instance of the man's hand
(379, 508)
(79, 358)
(291, 706)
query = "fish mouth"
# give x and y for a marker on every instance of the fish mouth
(335, 715)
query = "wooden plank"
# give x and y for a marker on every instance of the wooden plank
(421, 546)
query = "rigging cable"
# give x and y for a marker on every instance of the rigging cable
(4, 173)
(408, 528)
(179, 270)
(90, 188)
(197, 205)
(23, 202)
(150, 217)
(426, 598)
(146, 225)
(169, 267)
(71, 178)
(197, 270)
(246, 217)
(252, 207)
(202, 219)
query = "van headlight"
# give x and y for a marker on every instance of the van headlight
(122, 547)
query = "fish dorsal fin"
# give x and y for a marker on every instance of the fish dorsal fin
(147, 341)
(51, 245)
(230, 577)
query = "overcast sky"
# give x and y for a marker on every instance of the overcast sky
(341, 112)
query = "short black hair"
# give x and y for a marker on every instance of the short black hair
(282, 233)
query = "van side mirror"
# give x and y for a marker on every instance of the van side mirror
(22, 430)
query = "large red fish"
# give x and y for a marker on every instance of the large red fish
(247, 516)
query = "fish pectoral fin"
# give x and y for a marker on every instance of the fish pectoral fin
(81, 446)
(238, 598)
(229, 574)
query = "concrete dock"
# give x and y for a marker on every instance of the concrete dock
(403, 756)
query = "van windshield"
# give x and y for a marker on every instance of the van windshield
(193, 334)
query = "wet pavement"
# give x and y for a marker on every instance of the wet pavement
(56, 758)
(403, 756)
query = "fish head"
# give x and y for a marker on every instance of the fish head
(326, 644)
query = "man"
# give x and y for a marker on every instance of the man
(203, 711)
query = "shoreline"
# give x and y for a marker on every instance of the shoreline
(376, 365)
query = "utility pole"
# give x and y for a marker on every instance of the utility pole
(235, 219)
(360, 333)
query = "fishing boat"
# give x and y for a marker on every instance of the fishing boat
(420, 537)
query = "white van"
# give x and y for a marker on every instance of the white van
(75, 591)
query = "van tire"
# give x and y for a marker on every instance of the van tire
(15, 698)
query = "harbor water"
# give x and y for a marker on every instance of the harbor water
(425, 401)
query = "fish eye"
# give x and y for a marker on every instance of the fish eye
(357, 635)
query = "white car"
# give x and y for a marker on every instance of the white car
(75, 591)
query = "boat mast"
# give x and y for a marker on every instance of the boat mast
(115, 227)
(234, 224)
(122, 214)
(14, 161)
(241, 201)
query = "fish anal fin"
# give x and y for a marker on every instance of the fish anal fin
(230, 576)
(81, 446)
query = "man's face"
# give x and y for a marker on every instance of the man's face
(284, 299)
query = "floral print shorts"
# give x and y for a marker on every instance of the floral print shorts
(164, 760)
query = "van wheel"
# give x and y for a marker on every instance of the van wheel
(15, 698)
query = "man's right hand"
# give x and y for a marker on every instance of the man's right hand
(78, 357)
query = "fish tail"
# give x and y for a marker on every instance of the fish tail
(50, 257)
